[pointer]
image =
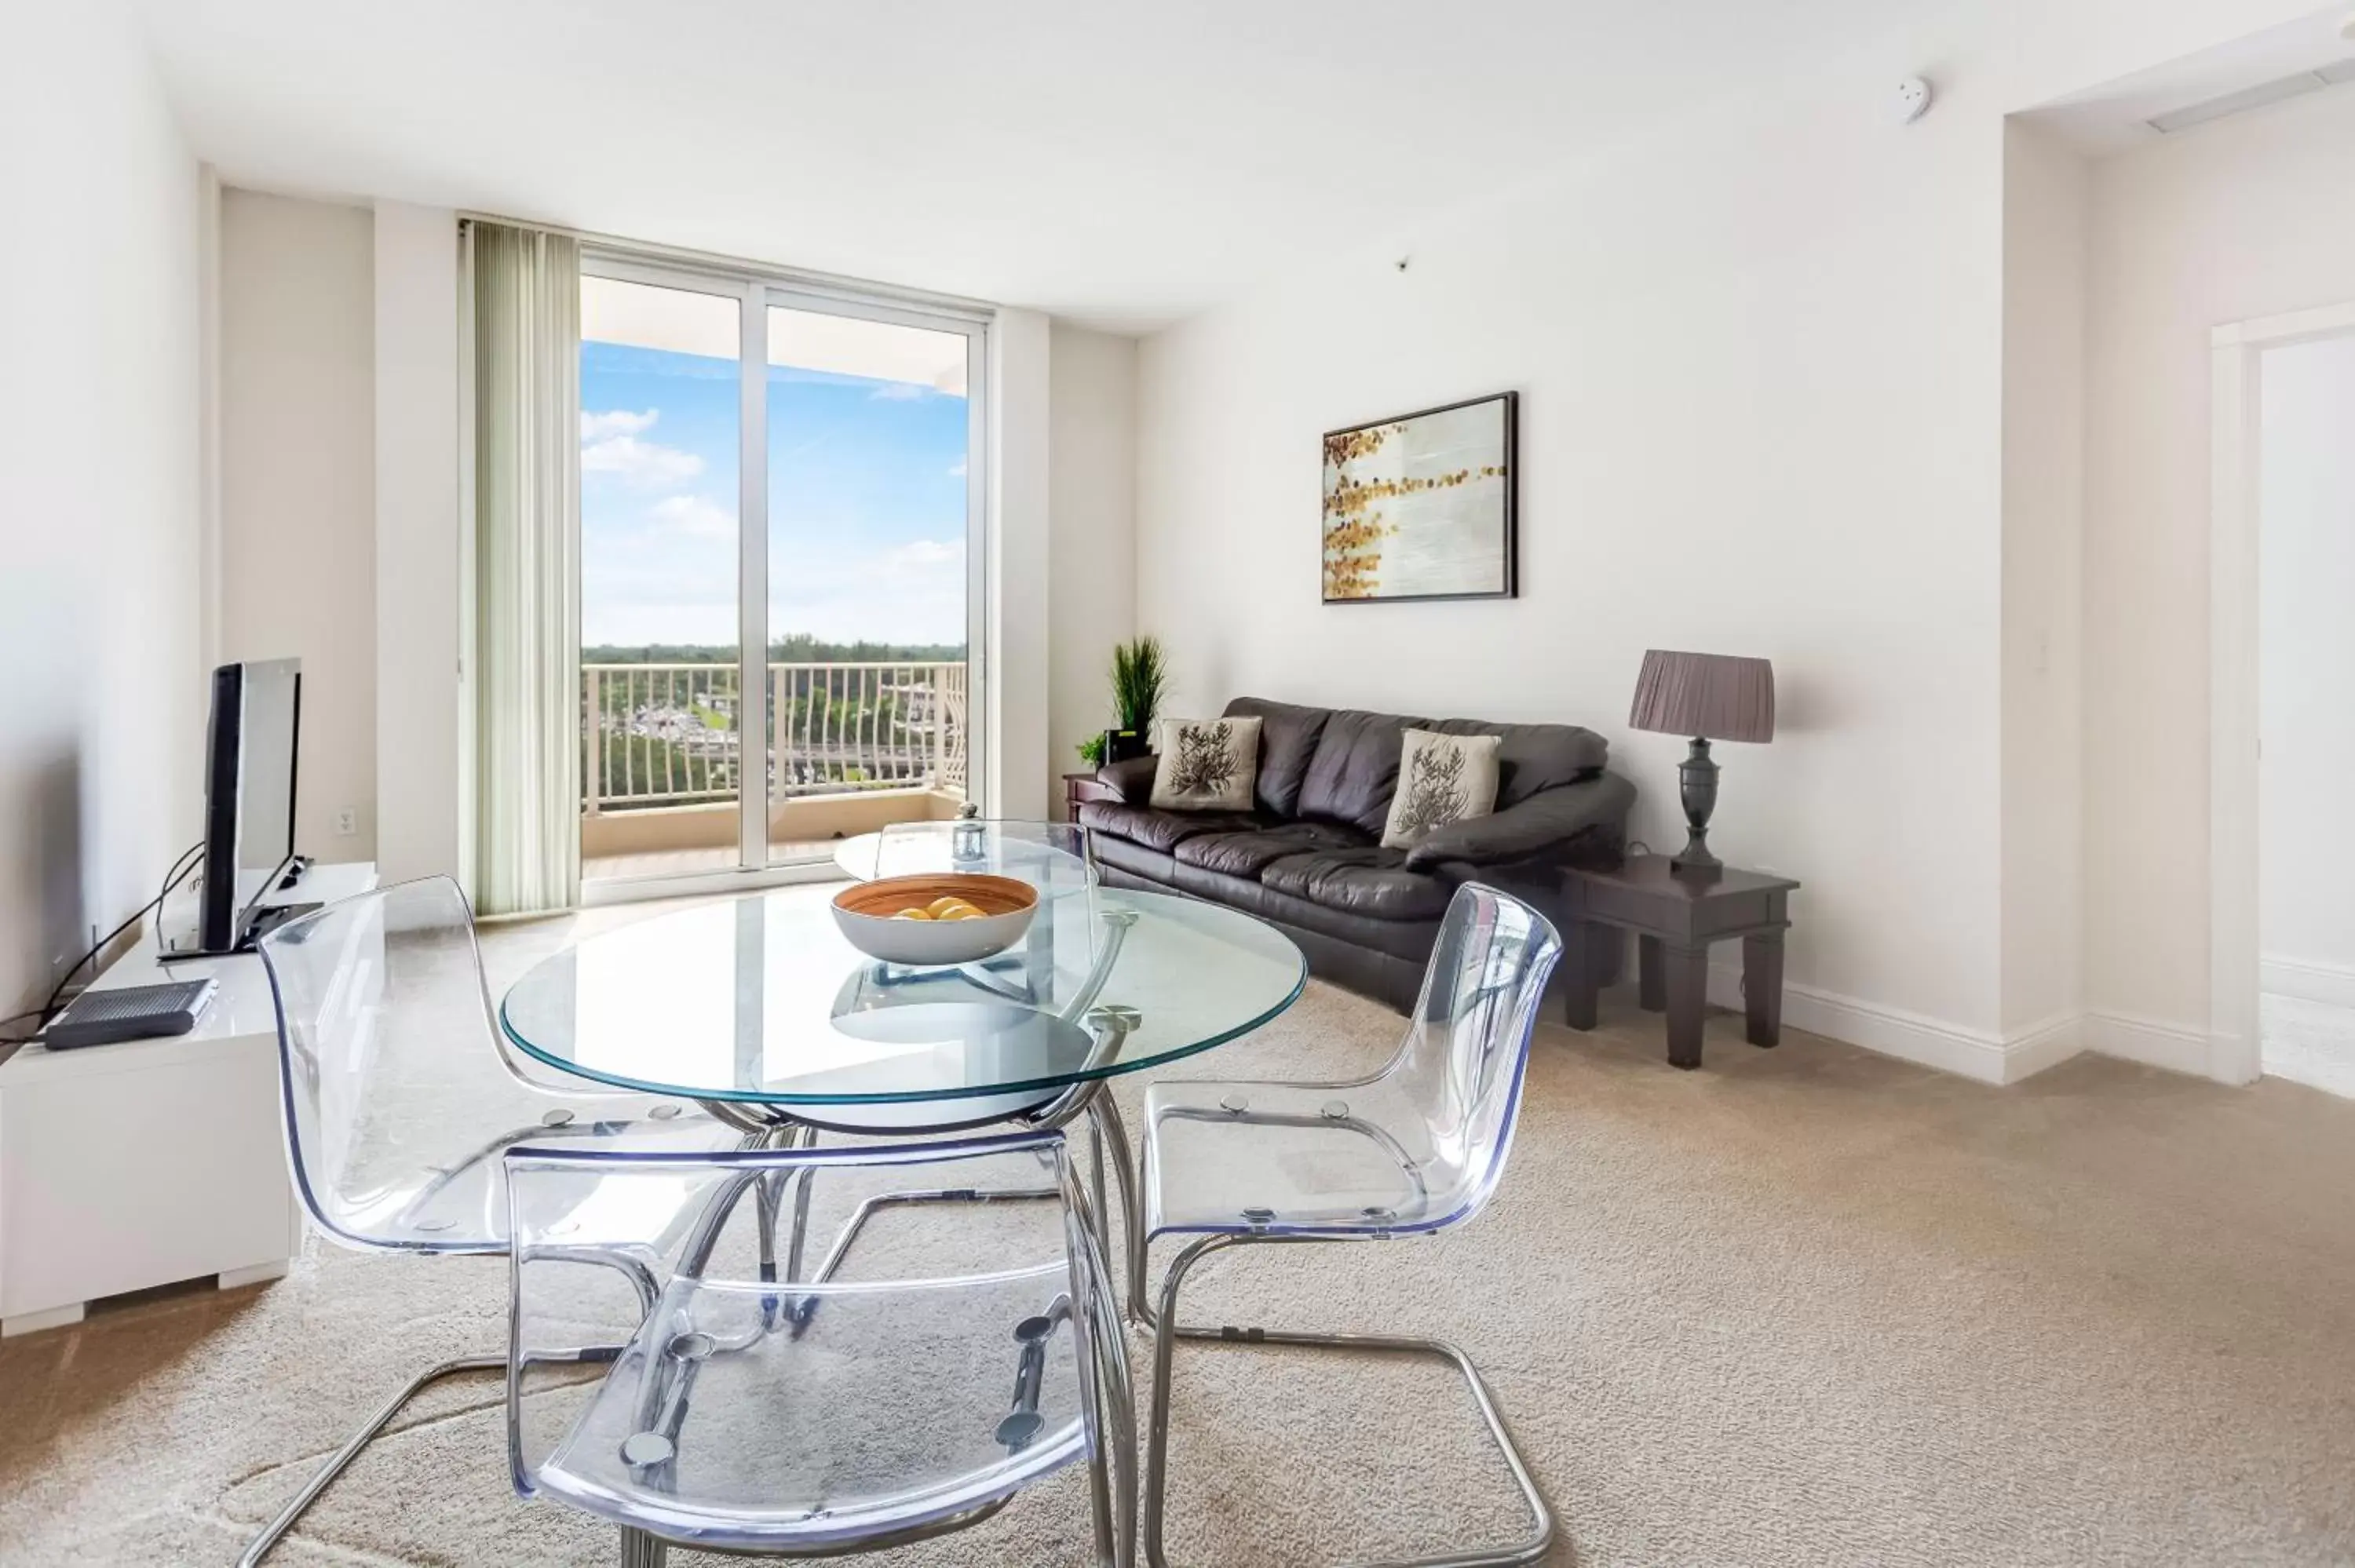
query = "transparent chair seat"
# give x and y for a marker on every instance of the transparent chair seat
(1417, 1147)
(1288, 1158)
(890, 1413)
(739, 1414)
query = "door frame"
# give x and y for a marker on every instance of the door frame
(755, 290)
(2235, 1047)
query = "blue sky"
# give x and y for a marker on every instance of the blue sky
(866, 502)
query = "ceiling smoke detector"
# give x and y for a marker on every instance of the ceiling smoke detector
(1911, 102)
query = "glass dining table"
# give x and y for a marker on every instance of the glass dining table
(761, 1010)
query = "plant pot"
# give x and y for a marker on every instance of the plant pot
(1120, 745)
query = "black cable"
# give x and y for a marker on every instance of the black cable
(180, 872)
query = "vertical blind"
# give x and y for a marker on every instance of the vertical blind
(526, 297)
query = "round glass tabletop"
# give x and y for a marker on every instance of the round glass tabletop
(764, 999)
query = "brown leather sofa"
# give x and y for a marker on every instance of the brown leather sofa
(1308, 857)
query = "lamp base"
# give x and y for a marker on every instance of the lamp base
(1695, 860)
(1697, 788)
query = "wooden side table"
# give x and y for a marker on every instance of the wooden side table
(1676, 917)
(1079, 789)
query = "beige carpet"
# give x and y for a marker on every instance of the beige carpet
(1806, 1306)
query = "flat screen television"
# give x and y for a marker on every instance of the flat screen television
(249, 795)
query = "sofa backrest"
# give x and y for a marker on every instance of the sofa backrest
(1287, 740)
(1342, 764)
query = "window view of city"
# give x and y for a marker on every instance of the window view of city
(866, 690)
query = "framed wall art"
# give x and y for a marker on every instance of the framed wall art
(1421, 506)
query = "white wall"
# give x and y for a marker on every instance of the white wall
(417, 714)
(2306, 655)
(1015, 631)
(1759, 368)
(101, 755)
(2249, 216)
(1092, 495)
(2043, 497)
(298, 486)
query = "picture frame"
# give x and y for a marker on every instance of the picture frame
(1424, 506)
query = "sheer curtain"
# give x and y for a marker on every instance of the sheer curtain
(524, 290)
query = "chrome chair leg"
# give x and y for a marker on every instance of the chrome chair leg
(277, 1528)
(1108, 1391)
(1167, 1332)
(640, 1550)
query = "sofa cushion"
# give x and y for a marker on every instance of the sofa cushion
(1163, 830)
(1144, 864)
(1244, 855)
(1355, 770)
(1371, 881)
(1409, 940)
(1534, 757)
(1287, 740)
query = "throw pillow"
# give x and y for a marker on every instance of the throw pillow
(1205, 765)
(1443, 779)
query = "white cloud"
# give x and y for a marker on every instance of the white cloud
(678, 585)
(900, 392)
(695, 517)
(616, 422)
(917, 554)
(958, 471)
(640, 463)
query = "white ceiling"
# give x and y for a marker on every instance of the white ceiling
(1120, 163)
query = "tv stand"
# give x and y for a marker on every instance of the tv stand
(128, 1166)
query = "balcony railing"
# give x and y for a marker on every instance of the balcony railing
(670, 735)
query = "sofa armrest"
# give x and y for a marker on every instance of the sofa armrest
(1547, 819)
(1133, 779)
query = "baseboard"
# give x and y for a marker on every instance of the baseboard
(2333, 984)
(1979, 1055)
(2148, 1041)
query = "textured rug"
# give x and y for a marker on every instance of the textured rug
(1808, 1306)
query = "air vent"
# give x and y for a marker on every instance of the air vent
(2250, 98)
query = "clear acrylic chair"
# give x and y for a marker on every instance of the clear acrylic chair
(1416, 1148)
(884, 1419)
(399, 1098)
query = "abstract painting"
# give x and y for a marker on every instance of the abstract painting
(1421, 506)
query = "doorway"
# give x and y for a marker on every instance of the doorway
(780, 526)
(2305, 711)
(2283, 698)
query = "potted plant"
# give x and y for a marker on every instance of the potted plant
(1140, 676)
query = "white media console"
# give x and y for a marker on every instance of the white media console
(144, 1163)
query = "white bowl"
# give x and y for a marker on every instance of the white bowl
(869, 915)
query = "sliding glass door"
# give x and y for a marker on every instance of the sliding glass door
(776, 631)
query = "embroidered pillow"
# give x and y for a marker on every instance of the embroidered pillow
(1205, 765)
(1443, 779)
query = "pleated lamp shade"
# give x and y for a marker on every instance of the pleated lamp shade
(1713, 696)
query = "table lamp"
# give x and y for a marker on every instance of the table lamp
(1705, 696)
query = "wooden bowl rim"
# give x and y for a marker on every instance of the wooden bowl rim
(885, 897)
